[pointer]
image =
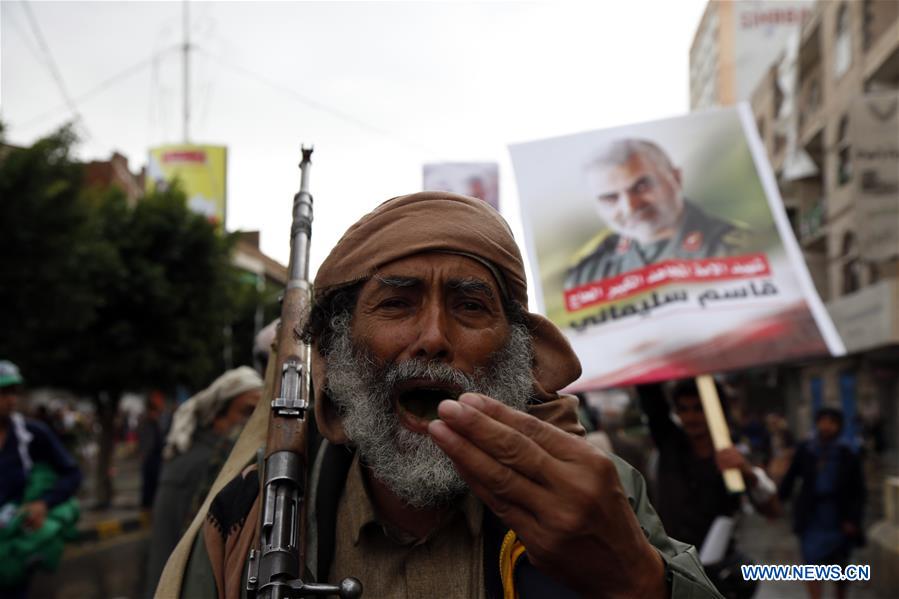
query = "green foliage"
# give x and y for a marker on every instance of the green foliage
(248, 298)
(102, 297)
(50, 253)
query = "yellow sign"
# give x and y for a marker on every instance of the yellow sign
(201, 171)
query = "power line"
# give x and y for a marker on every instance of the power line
(26, 40)
(102, 86)
(316, 105)
(51, 66)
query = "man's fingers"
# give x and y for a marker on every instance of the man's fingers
(498, 485)
(497, 440)
(557, 442)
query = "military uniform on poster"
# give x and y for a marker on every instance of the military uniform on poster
(701, 236)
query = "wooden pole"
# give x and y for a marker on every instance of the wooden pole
(714, 416)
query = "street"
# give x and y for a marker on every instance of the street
(113, 568)
(101, 570)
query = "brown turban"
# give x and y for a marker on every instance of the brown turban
(439, 222)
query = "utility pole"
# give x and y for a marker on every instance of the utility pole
(186, 71)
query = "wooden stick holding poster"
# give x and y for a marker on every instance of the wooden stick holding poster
(714, 416)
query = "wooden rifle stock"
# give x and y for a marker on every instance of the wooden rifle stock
(275, 567)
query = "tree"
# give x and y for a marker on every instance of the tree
(51, 251)
(253, 307)
(105, 298)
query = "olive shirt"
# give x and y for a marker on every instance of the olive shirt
(396, 565)
(700, 236)
(382, 562)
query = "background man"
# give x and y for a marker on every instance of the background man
(427, 367)
(689, 489)
(638, 193)
(203, 431)
(29, 453)
(827, 514)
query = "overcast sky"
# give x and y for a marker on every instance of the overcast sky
(379, 88)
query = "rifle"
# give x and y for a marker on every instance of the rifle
(274, 567)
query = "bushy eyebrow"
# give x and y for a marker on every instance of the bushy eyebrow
(397, 281)
(471, 286)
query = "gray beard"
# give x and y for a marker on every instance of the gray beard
(411, 465)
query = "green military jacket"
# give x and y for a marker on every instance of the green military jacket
(701, 236)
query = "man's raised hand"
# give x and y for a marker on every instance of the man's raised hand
(560, 495)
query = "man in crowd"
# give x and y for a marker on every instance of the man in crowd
(827, 513)
(151, 429)
(203, 431)
(690, 493)
(451, 466)
(32, 462)
(691, 490)
(638, 194)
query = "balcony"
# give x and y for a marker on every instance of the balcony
(867, 318)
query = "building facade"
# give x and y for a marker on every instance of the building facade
(735, 44)
(828, 113)
(816, 105)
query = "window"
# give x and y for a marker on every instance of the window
(867, 23)
(811, 99)
(852, 266)
(844, 152)
(842, 50)
(814, 94)
(780, 142)
(873, 273)
(793, 217)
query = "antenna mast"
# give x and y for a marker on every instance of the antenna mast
(186, 71)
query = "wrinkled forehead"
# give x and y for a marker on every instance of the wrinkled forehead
(442, 269)
(635, 165)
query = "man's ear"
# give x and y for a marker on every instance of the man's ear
(676, 172)
(330, 425)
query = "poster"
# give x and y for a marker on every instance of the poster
(476, 179)
(662, 250)
(201, 171)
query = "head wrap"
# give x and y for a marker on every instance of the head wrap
(439, 222)
(200, 410)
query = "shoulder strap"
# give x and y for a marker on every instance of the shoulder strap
(335, 464)
(523, 580)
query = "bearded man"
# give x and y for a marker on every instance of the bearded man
(450, 465)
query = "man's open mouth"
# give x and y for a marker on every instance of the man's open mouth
(420, 399)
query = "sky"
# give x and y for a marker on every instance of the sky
(379, 88)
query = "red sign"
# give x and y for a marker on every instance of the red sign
(184, 156)
(661, 273)
(774, 16)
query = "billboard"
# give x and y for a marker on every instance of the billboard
(663, 250)
(476, 179)
(874, 135)
(202, 171)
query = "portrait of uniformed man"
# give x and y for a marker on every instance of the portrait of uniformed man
(638, 193)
